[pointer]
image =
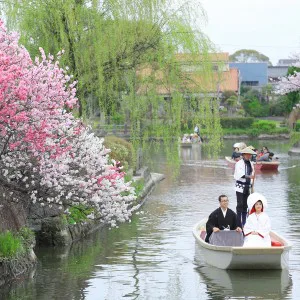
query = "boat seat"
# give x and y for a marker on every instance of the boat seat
(276, 244)
(227, 238)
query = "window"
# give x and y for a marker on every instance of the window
(250, 83)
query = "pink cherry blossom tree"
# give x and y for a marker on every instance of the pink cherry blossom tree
(290, 83)
(48, 156)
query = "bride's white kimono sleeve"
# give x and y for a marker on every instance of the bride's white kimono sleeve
(262, 225)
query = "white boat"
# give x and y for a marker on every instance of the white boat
(226, 257)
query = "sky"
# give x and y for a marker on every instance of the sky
(271, 27)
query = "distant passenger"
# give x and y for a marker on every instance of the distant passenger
(236, 154)
(268, 156)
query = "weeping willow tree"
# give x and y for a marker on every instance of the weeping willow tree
(143, 59)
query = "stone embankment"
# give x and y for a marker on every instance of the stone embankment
(54, 231)
(295, 150)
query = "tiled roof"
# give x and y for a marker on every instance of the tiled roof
(213, 57)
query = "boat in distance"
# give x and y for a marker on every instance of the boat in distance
(232, 257)
(259, 165)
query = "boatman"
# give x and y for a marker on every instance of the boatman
(244, 176)
(223, 218)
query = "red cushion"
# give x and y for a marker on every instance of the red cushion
(276, 244)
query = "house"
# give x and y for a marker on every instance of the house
(275, 73)
(252, 74)
(221, 76)
(287, 62)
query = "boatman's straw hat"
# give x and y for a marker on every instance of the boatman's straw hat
(254, 197)
(247, 150)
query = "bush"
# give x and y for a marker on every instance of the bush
(118, 118)
(10, 245)
(121, 150)
(264, 125)
(236, 122)
(78, 213)
(254, 108)
(297, 125)
(27, 236)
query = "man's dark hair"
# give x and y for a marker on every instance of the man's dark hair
(222, 196)
(271, 154)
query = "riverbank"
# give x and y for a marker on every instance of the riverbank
(54, 231)
(240, 137)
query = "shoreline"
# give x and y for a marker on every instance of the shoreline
(280, 136)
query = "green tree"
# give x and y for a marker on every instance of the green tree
(248, 56)
(108, 45)
(231, 103)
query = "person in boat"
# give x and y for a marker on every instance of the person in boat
(186, 138)
(243, 174)
(258, 224)
(268, 156)
(197, 130)
(263, 152)
(223, 218)
(254, 156)
(236, 154)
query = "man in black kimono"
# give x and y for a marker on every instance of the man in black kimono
(222, 218)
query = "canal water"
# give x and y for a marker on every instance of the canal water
(155, 256)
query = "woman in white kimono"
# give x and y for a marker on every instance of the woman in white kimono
(258, 225)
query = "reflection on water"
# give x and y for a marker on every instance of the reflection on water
(154, 256)
(229, 284)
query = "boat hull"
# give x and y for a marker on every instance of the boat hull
(260, 165)
(241, 257)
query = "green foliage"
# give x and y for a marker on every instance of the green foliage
(291, 99)
(237, 122)
(227, 94)
(109, 44)
(78, 213)
(280, 107)
(297, 125)
(27, 236)
(118, 118)
(255, 108)
(295, 138)
(248, 56)
(10, 245)
(264, 125)
(138, 186)
(121, 150)
(254, 132)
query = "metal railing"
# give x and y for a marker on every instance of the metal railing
(113, 129)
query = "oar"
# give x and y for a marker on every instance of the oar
(252, 187)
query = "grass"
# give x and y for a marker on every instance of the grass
(10, 245)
